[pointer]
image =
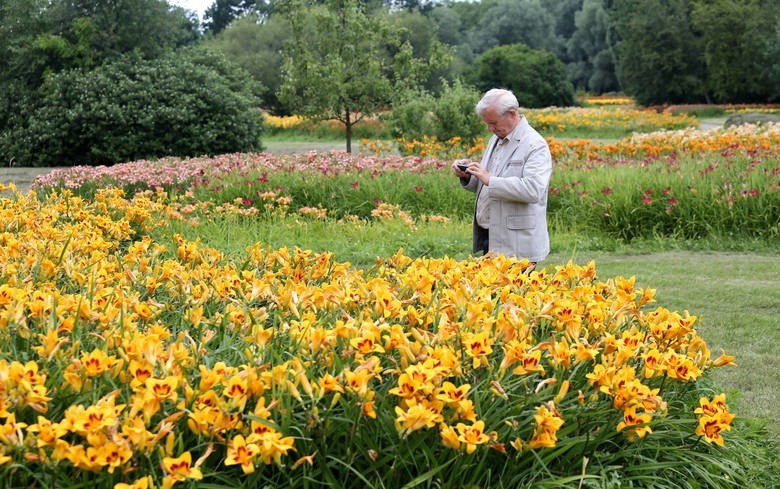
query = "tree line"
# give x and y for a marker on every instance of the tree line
(103, 81)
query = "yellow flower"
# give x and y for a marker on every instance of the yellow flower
(50, 343)
(366, 344)
(143, 310)
(329, 383)
(367, 408)
(180, 468)
(109, 454)
(711, 408)
(710, 427)
(543, 439)
(139, 371)
(48, 432)
(478, 346)
(547, 418)
(682, 368)
(416, 417)
(162, 389)
(517, 444)
(548, 422)
(241, 453)
(11, 431)
(714, 418)
(134, 430)
(97, 363)
(415, 382)
(142, 483)
(723, 360)
(94, 418)
(271, 445)
(472, 435)
(449, 437)
(453, 395)
(635, 424)
(236, 391)
(357, 380)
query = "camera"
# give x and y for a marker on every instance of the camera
(462, 167)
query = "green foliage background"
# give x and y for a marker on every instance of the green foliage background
(657, 51)
(188, 104)
(537, 78)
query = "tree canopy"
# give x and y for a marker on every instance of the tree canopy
(348, 59)
(340, 63)
(537, 78)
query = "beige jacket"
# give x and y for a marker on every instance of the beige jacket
(518, 195)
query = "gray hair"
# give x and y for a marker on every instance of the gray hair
(499, 98)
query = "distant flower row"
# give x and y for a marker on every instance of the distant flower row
(559, 120)
(606, 100)
(765, 137)
(182, 174)
(432, 154)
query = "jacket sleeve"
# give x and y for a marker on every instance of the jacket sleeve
(469, 183)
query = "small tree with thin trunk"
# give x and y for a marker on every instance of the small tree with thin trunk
(342, 64)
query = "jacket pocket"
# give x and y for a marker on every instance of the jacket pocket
(520, 222)
(515, 168)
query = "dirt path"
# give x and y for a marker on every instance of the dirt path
(22, 176)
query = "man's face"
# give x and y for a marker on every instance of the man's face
(500, 125)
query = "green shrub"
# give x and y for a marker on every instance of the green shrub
(452, 114)
(537, 78)
(187, 103)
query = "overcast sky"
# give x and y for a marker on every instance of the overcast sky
(199, 6)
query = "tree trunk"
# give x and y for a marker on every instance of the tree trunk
(348, 131)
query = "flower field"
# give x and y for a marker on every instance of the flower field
(134, 357)
(687, 184)
(138, 364)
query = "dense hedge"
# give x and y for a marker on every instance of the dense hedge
(190, 103)
(538, 78)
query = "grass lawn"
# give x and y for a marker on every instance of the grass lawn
(287, 146)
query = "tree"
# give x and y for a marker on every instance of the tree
(221, 13)
(342, 64)
(591, 61)
(40, 37)
(421, 32)
(255, 45)
(736, 48)
(518, 22)
(537, 78)
(449, 25)
(659, 57)
(411, 5)
(774, 69)
(103, 30)
(564, 12)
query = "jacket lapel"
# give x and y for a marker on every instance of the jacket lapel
(512, 145)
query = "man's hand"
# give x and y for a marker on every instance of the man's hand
(461, 168)
(480, 172)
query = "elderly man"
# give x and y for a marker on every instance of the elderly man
(511, 182)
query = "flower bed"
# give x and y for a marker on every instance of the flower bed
(126, 362)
